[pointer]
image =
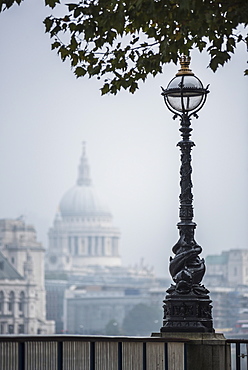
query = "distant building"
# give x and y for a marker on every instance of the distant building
(90, 309)
(22, 292)
(110, 288)
(55, 292)
(227, 280)
(82, 234)
(229, 268)
(225, 307)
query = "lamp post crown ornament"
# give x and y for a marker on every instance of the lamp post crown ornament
(187, 305)
(184, 70)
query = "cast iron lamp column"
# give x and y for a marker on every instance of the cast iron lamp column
(187, 306)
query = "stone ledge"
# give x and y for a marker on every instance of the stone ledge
(193, 338)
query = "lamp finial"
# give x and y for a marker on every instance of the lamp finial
(184, 70)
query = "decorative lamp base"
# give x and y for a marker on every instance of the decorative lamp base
(187, 313)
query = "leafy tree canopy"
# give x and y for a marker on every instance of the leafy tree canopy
(125, 41)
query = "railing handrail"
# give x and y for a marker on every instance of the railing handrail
(86, 338)
(232, 340)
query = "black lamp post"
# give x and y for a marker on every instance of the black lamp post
(187, 306)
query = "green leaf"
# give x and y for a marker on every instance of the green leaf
(214, 64)
(105, 89)
(72, 26)
(77, 11)
(55, 45)
(133, 87)
(64, 53)
(80, 71)
(52, 3)
(74, 59)
(71, 6)
(55, 30)
(48, 24)
(8, 3)
(74, 44)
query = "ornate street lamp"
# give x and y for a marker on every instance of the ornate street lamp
(187, 306)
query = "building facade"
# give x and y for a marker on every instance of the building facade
(82, 234)
(92, 309)
(227, 280)
(22, 291)
(230, 267)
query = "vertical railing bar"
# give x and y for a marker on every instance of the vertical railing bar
(237, 356)
(26, 355)
(247, 356)
(51, 354)
(144, 356)
(21, 356)
(52, 350)
(8, 355)
(166, 365)
(16, 355)
(44, 355)
(34, 359)
(119, 355)
(1, 356)
(92, 355)
(60, 355)
(185, 356)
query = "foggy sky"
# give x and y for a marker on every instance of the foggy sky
(46, 113)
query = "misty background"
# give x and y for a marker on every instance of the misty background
(46, 113)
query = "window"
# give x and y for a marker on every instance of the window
(11, 301)
(103, 247)
(53, 259)
(114, 246)
(2, 328)
(89, 246)
(20, 329)
(11, 329)
(1, 301)
(96, 245)
(69, 244)
(82, 246)
(21, 301)
(76, 245)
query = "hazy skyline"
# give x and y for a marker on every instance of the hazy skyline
(131, 144)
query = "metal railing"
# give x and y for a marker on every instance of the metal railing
(239, 353)
(66, 352)
(76, 352)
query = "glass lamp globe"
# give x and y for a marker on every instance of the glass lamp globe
(185, 92)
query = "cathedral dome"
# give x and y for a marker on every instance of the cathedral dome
(82, 200)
